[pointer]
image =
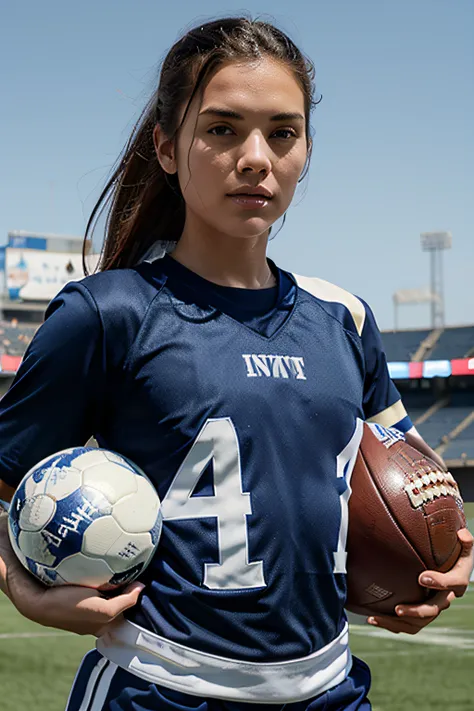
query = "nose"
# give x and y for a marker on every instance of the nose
(254, 156)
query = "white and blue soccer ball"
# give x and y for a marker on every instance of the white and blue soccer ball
(85, 516)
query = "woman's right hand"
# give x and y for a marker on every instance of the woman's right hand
(69, 607)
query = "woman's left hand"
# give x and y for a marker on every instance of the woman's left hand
(413, 618)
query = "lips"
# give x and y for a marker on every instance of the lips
(251, 195)
(248, 192)
(250, 201)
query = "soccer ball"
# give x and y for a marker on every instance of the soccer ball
(85, 516)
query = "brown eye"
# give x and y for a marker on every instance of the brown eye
(220, 131)
(285, 133)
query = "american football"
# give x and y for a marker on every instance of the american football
(404, 514)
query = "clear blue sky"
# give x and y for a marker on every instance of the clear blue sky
(394, 143)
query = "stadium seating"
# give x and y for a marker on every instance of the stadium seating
(416, 412)
(418, 398)
(463, 446)
(402, 345)
(417, 402)
(454, 343)
(438, 426)
(15, 337)
(443, 422)
(446, 344)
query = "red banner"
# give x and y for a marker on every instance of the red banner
(463, 366)
(10, 364)
(416, 369)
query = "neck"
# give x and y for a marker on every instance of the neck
(228, 261)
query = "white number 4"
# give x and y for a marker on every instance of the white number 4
(230, 505)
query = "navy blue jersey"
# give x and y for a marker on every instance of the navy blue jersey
(245, 409)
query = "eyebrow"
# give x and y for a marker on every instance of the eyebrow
(228, 113)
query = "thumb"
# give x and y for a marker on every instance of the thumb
(117, 605)
(133, 589)
(457, 578)
(125, 599)
(466, 539)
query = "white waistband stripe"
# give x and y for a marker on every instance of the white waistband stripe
(181, 668)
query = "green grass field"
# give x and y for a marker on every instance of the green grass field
(430, 671)
(433, 671)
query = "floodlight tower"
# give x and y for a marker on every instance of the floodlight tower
(436, 243)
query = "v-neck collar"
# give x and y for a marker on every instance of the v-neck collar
(262, 311)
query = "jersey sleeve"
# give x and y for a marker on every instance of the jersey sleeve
(382, 401)
(56, 397)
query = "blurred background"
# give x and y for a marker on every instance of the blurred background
(387, 212)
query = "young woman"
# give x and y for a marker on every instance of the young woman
(239, 388)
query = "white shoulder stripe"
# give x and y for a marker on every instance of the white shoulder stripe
(326, 291)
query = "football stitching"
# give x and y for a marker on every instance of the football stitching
(427, 487)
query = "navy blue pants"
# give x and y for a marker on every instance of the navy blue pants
(102, 686)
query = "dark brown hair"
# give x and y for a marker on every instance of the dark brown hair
(143, 204)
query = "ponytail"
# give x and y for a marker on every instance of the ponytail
(144, 203)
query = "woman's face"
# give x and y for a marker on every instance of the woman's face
(241, 149)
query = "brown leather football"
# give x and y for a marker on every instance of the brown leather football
(404, 514)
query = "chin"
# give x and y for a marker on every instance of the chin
(250, 228)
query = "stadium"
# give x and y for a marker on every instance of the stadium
(433, 369)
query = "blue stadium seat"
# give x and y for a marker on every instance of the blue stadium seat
(463, 446)
(418, 398)
(454, 343)
(441, 423)
(402, 345)
(416, 412)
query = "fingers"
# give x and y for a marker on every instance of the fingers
(84, 610)
(115, 606)
(73, 608)
(456, 579)
(413, 618)
(87, 611)
(126, 600)
(17, 583)
(441, 601)
(395, 625)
